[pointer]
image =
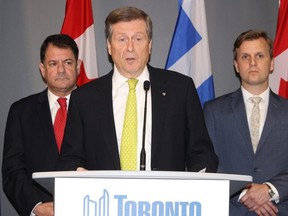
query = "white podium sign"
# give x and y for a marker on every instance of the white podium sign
(138, 193)
(140, 197)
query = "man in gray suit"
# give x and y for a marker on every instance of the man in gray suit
(248, 147)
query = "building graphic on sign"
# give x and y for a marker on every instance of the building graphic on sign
(96, 208)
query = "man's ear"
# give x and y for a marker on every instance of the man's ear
(42, 69)
(108, 46)
(79, 62)
(150, 46)
(272, 64)
(236, 66)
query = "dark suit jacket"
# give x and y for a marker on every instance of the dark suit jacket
(29, 146)
(228, 128)
(179, 136)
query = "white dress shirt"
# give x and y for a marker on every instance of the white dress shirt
(54, 105)
(120, 90)
(263, 105)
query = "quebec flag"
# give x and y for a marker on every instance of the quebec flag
(189, 50)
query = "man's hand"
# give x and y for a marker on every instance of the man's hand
(257, 199)
(268, 209)
(44, 209)
(81, 169)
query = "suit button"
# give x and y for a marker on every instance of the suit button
(257, 169)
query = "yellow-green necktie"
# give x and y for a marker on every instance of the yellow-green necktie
(128, 149)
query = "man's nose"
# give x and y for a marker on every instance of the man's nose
(130, 45)
(253, 61)
(61, 67)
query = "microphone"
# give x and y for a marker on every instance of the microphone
(146, 87)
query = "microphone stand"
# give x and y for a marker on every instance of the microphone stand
(143, 153)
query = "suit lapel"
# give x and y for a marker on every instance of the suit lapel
(239, 111)
(45, 119)
(159, 95)
(108, 123)
(271, 118)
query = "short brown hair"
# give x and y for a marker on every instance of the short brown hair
(126, 14)
(252, 35)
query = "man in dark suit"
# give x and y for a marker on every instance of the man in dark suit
(230, 120)
(29, 142)
(176, 138)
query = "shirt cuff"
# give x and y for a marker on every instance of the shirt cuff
(275, 197)
(32, 212)
(242, 194)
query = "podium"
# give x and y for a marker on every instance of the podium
(140, 193)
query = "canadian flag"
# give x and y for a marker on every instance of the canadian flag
(279, 78)
(78, 24)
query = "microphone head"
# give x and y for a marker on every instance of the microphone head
(146, 85)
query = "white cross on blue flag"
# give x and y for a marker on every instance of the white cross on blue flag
(189, 50)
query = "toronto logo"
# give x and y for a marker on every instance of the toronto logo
(122, 206)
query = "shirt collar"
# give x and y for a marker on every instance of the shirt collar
(118, 80)
(52, 98)
(264, 95)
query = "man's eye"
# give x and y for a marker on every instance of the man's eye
(122, 40)
(51, 64)
(244, 57)
(68, 62)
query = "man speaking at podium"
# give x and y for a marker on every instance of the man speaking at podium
(134, 107)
